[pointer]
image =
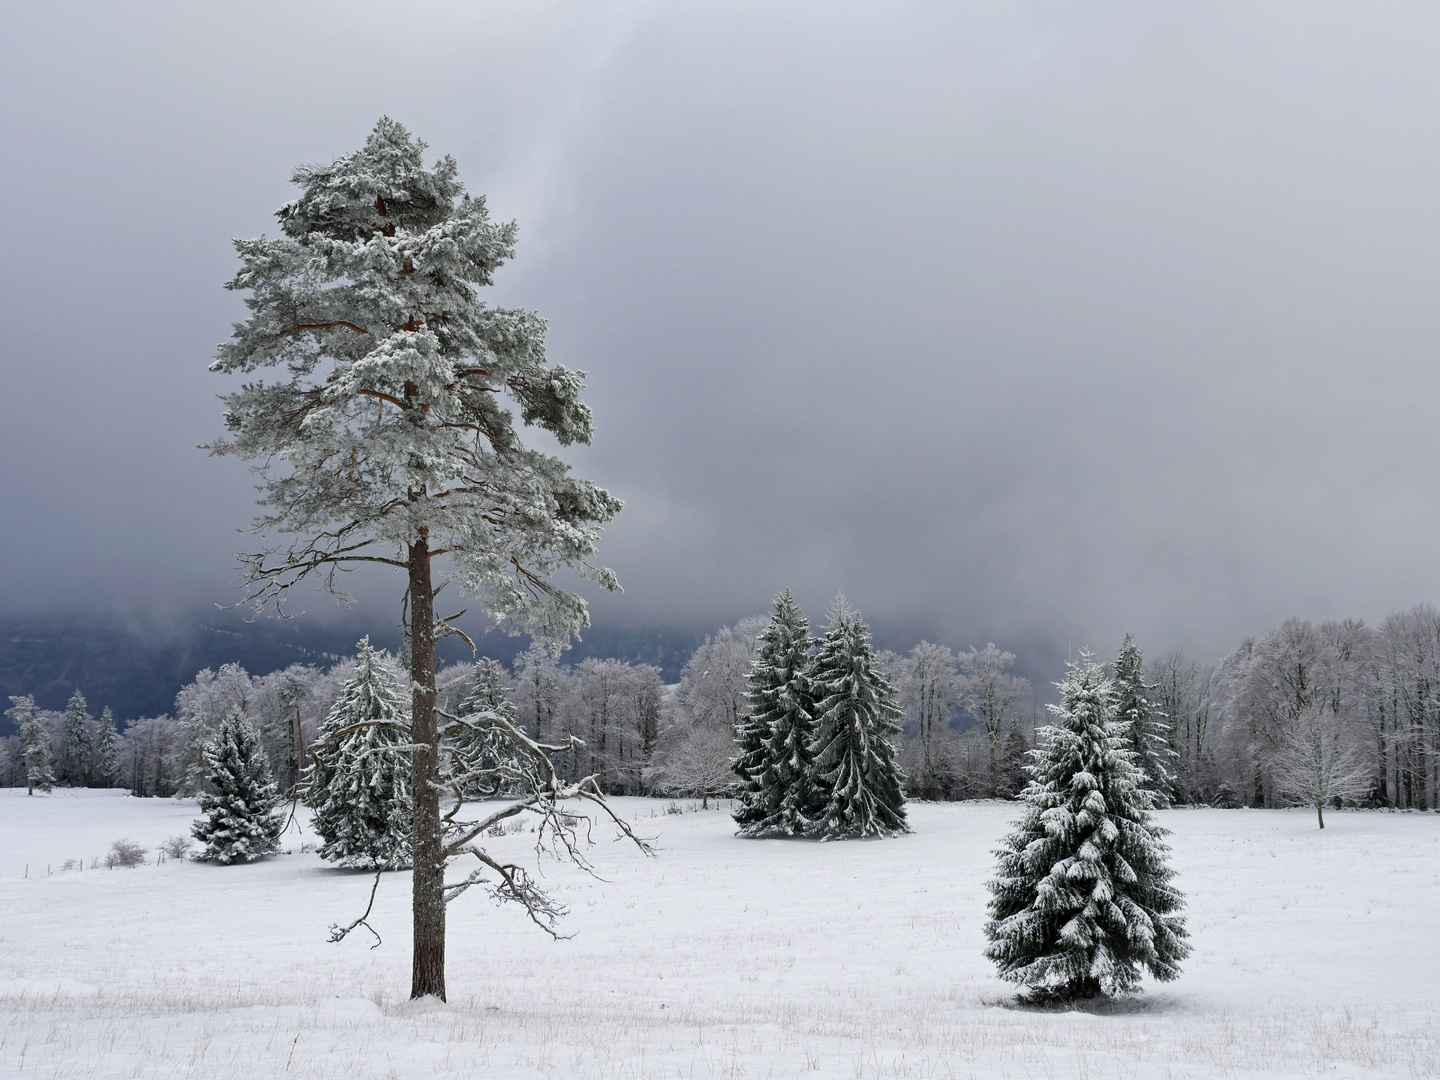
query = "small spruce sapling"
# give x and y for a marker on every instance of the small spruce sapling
(359, 782)
(1082, 900)
(858, 785)
(773, 748)
(478, 758)
(241, 822)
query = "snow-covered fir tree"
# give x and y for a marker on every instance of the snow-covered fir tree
(773, 743)
(34, 744)
(106, 752)
(75, 760)
(241, 819)
(479, 757)
(359, 783)
(856, 775)
(1082, 899)
(1148, 732)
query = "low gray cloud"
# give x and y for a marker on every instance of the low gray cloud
(1014, 321)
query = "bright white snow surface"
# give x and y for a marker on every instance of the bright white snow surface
(1316, 954)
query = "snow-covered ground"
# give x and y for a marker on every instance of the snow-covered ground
(1316, 954)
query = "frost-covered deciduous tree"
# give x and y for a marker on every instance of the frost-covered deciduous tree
(773, 745)
(75, 755)
(384, 440)
(857, 779)
(1148, 733)
(988, 691)
(1188, 693)
(1318, 761)
(713, 684)
(359, 782)
(241, 821)
(34, 742)
(929, 689)
(540, 687)
(1082, 899)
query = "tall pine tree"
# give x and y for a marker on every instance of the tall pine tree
(359, 784)
(1082, 899)
(34, 744)
(241, 822)
(856, 776)
(773, 744)
(1148, 733)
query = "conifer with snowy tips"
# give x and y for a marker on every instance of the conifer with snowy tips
(1148, 731)
(107, 749)
(773, 744)
(478, 751)
(1082, 900)
(241, 822)
(76, 762)
(359, 783)
(34, 744)
(856, 775)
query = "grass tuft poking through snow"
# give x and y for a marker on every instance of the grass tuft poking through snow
(1314, 955)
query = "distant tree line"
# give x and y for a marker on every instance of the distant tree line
(1310, 712)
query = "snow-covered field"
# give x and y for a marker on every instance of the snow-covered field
(1316, 954)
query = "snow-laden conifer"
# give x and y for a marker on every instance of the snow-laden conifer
(855, 772)
(1082, 899)
(241, 821)
(107, 749)
(76, 761)
(479, 758)
(34, 744)
(1147, 732)
(773, 744)
(359, 782)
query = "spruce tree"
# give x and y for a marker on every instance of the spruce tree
(477, 752)
(1148, 731)
(856, 777)
(34, 744)
(773, 748)
(241, 822)
(359, 784)
(107, 749)
(1082, 899)
(75, 765)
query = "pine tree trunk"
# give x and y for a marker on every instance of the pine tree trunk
(428, 880)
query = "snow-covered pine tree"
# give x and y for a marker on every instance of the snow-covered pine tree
(359, 782)
(385, 439)
(75, 761)
(856, 777)
(105, 755)
(34, 744)
(1148, 734)
(1082, 899)
(241, 822)
(773, 744)
(480, 761)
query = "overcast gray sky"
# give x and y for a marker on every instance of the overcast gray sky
(1017, 322)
